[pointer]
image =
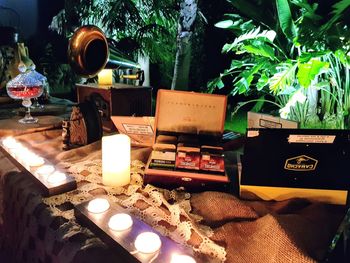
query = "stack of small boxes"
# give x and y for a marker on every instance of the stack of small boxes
(187, 153)
(187, 146)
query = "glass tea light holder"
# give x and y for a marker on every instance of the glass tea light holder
(116, 160)
(25, 86)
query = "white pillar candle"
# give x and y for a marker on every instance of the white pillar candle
(120, 222)
(116, 160)
(148, 242)
(176, 258)
(105, 77)
(98, 205)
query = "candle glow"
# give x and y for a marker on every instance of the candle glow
(176, 258)
(120, 222)
(33, 160)
(98, 205)
(56, 177)
(148, 242)
(10, 143)
(105, 77)
(45, 170)
(116, 160)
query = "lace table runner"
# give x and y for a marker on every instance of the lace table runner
(166, 211)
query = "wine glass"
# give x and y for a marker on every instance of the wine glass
(44, 82)
(25, 87)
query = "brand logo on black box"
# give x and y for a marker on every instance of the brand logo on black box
(301, 163)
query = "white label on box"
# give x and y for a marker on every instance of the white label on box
(261, 120)
(304, 138)
(253, 133)
(159, 155)
(138, 129)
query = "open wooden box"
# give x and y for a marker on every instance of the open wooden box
(198, 116)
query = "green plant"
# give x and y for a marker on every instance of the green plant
(138, 26)
(306, 71)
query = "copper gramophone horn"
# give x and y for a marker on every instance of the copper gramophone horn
(89, 52)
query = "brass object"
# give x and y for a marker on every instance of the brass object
(89, 52)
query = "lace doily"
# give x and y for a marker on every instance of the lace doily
(169, 212)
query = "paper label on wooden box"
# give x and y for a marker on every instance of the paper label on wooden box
(139, 129)
(190, 112)
(306, 138)
(261, 120)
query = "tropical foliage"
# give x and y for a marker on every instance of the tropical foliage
(293, 55)
(146, 26)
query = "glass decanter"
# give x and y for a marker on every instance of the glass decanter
(25, 86)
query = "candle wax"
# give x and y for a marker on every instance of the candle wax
(148, 242)
(98, 205)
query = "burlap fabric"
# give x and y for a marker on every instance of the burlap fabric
(35, 231)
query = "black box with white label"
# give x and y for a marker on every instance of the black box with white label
(279, 164)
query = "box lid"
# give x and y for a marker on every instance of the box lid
(190, 112)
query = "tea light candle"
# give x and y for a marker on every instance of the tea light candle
(98, 205)
(148, 242)
(56, 178)
(116, 160)
(18, 150)
(105, 77)
(45, 170)
(120, 222)
(175, 258)
(10, 143)
(33, 160)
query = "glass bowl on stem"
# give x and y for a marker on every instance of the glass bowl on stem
(45, 85)
(25, 87)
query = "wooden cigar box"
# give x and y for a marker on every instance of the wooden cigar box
(187, 150)
(117, 99)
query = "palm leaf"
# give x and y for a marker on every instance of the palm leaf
(261, 14)
(283, 78)
(339, 9)
(259, 48)
(308, 71)
(247, 76)
(224, 24)
(309, 10)
(285, 19)
(269, 35)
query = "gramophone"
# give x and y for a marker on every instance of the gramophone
(89, 51)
